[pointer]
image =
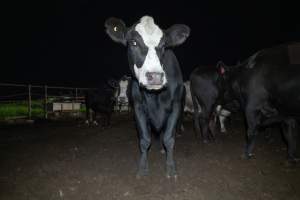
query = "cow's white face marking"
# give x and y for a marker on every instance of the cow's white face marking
(122, 98)
(151, 35)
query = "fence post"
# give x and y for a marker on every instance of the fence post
(46, 102)
(29, 101)
(76, 100)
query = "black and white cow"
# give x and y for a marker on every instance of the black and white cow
(157, 86)
(122, 103)
(267, 86)
(207, 91)
(220, 114)
(101, 103)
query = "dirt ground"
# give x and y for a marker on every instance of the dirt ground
(55, 160)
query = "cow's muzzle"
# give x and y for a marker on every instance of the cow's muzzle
(155, 78)
(122, 100)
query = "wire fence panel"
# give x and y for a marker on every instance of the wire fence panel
(36, 101)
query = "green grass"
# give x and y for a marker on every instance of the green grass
(16, 109)
(10, 110)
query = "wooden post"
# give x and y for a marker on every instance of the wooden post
(29, 101)
(46, 102)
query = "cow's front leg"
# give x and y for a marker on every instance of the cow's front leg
(169, 141)
(144, 139)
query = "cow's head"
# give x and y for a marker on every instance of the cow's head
(112, 83)
(122, 93)
(146, 44)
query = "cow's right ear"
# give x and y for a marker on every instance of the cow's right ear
(177, 34)
(116, 29)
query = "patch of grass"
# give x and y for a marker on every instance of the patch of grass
(15, 109)
(8, 110)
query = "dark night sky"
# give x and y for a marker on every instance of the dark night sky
(63, 42)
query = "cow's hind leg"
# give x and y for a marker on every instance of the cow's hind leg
(206, 124)
(289, 132)
(253, 119)
(196, 119)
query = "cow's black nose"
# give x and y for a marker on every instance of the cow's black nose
(149, 76)
(154, 78)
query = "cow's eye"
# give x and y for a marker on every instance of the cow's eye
(133, 42)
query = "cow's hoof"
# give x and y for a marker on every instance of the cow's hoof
(293, 161)
(142, 173)
(248, 156)
(223, 131)
(205, 141)
(171, 172)
(175, 177)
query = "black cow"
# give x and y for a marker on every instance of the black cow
(267, 87)
(157, 86)
(207, 91)
(101, 102)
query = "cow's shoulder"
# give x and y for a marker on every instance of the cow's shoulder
(172, 67)
(135, 92)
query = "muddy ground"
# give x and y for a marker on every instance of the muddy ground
(61, 160)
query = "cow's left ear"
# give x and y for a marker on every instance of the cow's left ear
(116, 29)
(177, 34)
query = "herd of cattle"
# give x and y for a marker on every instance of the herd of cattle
(265, 88)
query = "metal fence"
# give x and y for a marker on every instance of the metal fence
(35, 100)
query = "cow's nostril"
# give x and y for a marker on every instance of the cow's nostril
(149, 76)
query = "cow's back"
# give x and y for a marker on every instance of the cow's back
(269, 77)
(204, 82)
(283, 86)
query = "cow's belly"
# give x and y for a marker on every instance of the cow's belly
(289, 109)
(160, 107)
(288, 102)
